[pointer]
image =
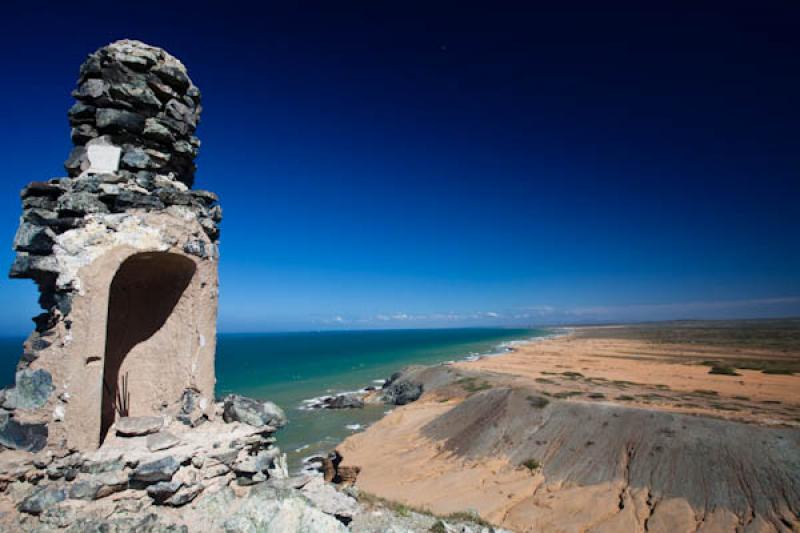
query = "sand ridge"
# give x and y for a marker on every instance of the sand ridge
(625, 435)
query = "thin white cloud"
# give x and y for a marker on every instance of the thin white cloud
(542, 314)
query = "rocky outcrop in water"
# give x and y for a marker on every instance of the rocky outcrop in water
(401, 389)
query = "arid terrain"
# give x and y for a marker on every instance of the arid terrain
(685, 426)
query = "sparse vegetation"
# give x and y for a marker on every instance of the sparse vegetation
(471, 384)
(706, 392)
(625, 398)
(651, 396)
(572, 375)
(737, 337)
(596, 395)
(563, 394)
(778, 370)
(779, 334)
(545, 381)
(725, 407)
(537, 401)
(723, 370)
(403, 510)
(742, 398)
(531, 464)
(438, 527)
(395, 507)
(468, 516)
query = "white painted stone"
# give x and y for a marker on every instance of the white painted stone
(103, 158)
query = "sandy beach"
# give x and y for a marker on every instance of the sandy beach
(598, 431)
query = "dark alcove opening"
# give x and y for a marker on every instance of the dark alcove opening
(143, 295)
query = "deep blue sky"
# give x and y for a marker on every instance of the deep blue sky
(399, 164)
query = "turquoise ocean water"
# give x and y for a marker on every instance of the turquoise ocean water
(288, 368)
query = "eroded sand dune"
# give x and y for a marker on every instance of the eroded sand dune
(592, 464)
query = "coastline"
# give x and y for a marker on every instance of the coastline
(464, 445)
(370, 396)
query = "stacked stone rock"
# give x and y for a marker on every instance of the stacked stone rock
(171, 462)
(140, 99)
(137, 102)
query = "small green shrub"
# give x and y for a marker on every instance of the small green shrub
(622, 384)
(723, 371)
(566, 394)
(625, 398)
(706, 392)
(778, 370)
(538, 402)
(468, 516)
(531, 464)
(438, 527)
(477, 387)
(596, 395)
(724, 407)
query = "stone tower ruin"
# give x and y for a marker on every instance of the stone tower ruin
(124, 253)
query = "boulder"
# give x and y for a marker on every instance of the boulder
(252, 412)
(34, 239)
(173, 76)
(269, 512)
(113, 464)
(161, 441)
(79, 204)
(155, 130)
(402, 392)
(394, 377)
(193, 404)
(42, 499)
(133, 426)
(116, 120)
(259, 462)
(93, 487)
(344, 401)
(32, 389)
(184, 496)
(154, 471)
(329, 500)
(136, 159)
(111, 482)
(22, 436)
(163, 490)
(42, 188)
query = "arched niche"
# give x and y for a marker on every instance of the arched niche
(143, 304)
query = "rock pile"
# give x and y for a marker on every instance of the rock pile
(52, 208)
(161, 461)
(128, 186)
(399, 389)
(137, 102)
(141, 99)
